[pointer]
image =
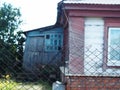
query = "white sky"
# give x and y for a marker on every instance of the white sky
(36, 13)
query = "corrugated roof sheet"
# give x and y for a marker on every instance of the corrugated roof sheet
(111, 2)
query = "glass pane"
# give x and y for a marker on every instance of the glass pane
(55, 42)
(114, 54)
(59, 36)
(59, 42)
(51, 36)
(47, 36)
(52, 41)
(114, 43)
(114, 37)
(55, 36)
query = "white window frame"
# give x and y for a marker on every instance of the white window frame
(112, 62)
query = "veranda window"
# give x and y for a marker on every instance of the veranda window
(53, 42)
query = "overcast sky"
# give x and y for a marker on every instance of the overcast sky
(36, 13)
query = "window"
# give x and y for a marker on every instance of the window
(114, 46)
(53, 42)
(47, 36)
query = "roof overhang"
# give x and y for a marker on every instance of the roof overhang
(87, 9)
(107, 2)
(92, 7)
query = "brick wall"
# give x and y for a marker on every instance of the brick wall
(92, 83)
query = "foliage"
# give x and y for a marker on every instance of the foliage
(6, 83)
(11, 40)
(9, 22)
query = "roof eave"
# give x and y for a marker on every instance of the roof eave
(91, 7)
(96, 2)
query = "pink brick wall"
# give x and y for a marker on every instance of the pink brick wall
(76, 45)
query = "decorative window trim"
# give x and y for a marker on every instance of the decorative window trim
(112, 62)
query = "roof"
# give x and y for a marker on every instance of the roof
(42, 28)
(47, 28)
(108, 2)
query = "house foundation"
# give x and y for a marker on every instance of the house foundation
(92, 83)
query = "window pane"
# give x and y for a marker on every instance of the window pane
(55, 36)
(115, 37)
(52, 41)
(47, 36)
(114, 54)
(59, 36)
(55, 42)
(114, 43)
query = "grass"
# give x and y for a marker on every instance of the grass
(7, 84)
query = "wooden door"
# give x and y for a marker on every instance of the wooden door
(36, 44)
(33, 55)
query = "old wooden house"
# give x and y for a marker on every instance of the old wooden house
(89, 39)
(91, 44)
(43, 47)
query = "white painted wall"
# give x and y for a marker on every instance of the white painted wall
(93, 54)
(94, 31)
